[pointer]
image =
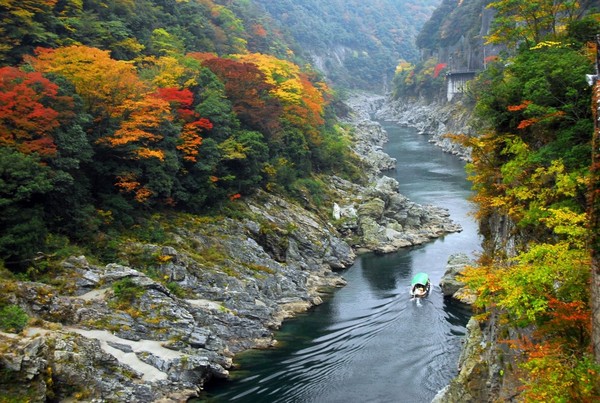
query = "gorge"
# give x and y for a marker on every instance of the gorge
(182, 181)
(369, 341)
(140, 339)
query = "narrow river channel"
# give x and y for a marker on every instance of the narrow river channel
(370, 342)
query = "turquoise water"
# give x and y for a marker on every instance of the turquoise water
(369, 342)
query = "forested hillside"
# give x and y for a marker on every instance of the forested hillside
(531, 171)
(356, 43)
(109, 111)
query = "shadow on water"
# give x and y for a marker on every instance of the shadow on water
(369, 341)
(383, 272)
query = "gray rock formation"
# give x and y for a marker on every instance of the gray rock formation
(377, 217)
(432, 119)
(450, 283)
(168, 318)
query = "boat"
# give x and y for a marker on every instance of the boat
(420, 285)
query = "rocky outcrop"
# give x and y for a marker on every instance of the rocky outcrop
(435, 119)
(481, 375)
(451, 284)
(377, 217)
(369, 137)
(168, 318)
(380, 219)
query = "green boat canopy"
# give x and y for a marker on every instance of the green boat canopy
(420, 278)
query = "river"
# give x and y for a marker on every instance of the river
(369, 342)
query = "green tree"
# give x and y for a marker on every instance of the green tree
(23, 183)
(530, 21)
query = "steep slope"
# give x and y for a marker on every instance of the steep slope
(356, 44)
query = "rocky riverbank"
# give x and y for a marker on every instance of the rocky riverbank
(163, 319)
(433, 119)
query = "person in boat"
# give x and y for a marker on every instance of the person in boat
(420, 285)
(419, 290)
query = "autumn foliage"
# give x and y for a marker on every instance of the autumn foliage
(119, 130)
(102, 82)
(530, 171)
(30, 110)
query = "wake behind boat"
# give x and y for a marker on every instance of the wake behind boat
(420, 285)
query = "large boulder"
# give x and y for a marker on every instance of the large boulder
(450, 283)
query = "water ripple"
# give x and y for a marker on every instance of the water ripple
(371, 342)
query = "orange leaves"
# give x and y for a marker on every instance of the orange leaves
(190, 142)
(554, 373)
(129, 184)
(520, 107)
(527, 122)
(526, 105)
(259, 30)
(141, 126)
(143, 119)
(566, 317)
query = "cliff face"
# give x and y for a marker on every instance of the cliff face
(356, 44)
(456, 32)
(169, 317)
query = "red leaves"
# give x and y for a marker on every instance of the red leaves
(438, 69)
(190, 139)
(246, 87)
(566, 317)
(182, 98)
(525, 123)
(27, 118)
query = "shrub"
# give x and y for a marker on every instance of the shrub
(13, 319)
(127, 291)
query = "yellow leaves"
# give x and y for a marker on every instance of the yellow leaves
(403, 66)
(547, 44)
(146, 153)
(170, 71)
(103, 83)
(564, 221)
(233, 150)
(289, 92)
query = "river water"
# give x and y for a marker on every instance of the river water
(369, 342)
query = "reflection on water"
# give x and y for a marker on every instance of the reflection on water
(370, 342)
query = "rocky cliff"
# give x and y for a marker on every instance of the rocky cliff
(164, 319)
